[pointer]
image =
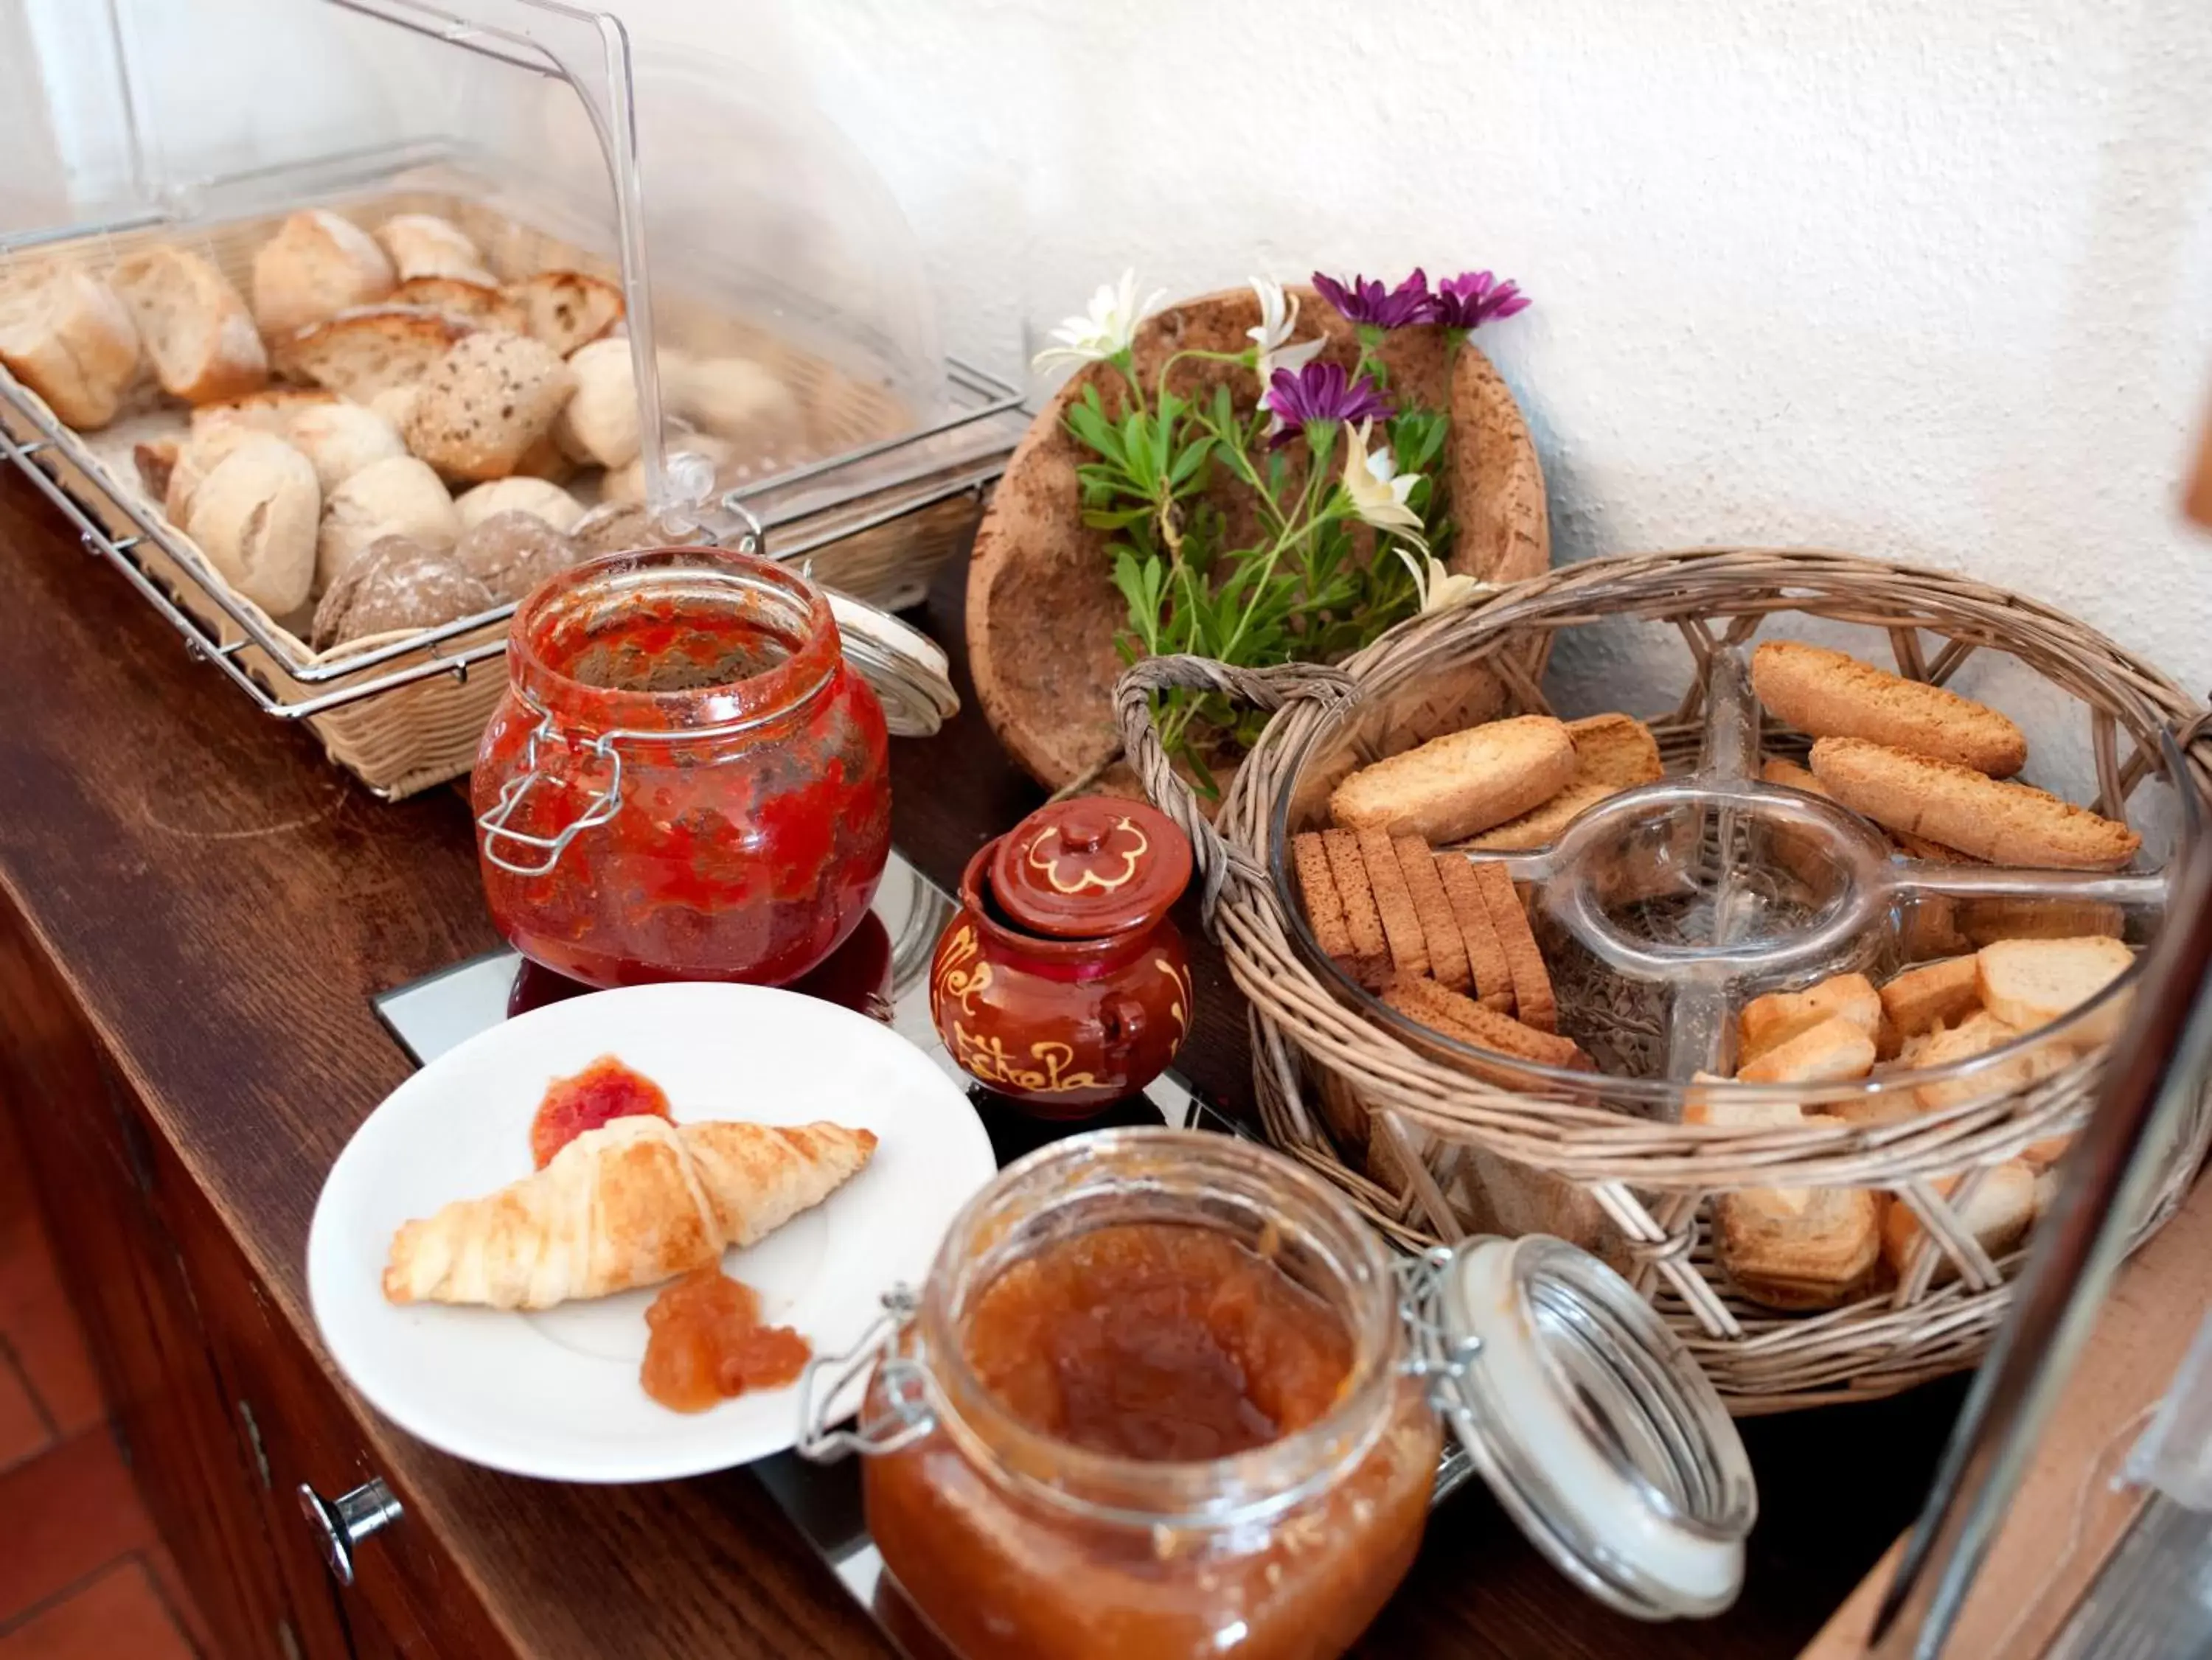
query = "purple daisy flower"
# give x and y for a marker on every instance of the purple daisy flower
(1364, 300)
(1473, 297)
(1320, 391)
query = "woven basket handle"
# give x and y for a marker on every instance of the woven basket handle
(1218, 858)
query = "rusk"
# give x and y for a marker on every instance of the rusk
(2031, 983)
(2003, 823)
(1371, 951)
(1768, 1022)
(1612, 752)
(1463, 1018)
(1324, 909)
(1933, 994)
(1453, 786)
(1825, 693)
(1401, 924)
(1532, 982)
(1998, 1216)
(1439, 927)
(1832, 1051)
(1486, 955)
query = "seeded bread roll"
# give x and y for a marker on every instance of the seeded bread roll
(486, 403)
(254, 516)
(1453, 786)
(318, 265)
(367, 355)
(397, 583)
(401, 497)
(534, 496)
(195, 329)
(1612, 752)
(341, 438)
(423, 244)
(481, 304)
(564, 309)
(1826, 694)
(599, 423)
(66, 336)
(2003, 823)
(511, 552)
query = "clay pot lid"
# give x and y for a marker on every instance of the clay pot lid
(1090, 866)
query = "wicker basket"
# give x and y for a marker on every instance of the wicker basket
(412, 736)
(1401, 1126)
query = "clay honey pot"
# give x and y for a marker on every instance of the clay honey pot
(1062, 983)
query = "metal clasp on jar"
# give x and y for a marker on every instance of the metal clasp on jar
(494, 822)
(904, 1414)
(1434, 1352)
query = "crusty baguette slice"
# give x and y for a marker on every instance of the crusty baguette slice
(197, 331)
(1798, 1248)
(1463, 1018)
(1453, 786)
(65, 335)
(2003, 823)
(1998, 1216)
(270, 409)
(1393, 900)
(1317, 889)
(365, 354)
(1485, 954)
(317, 265)
(2031, 983)
(423, 244)
(481, 304)
(1932, 994)
(1612, 752)
(1825, 693)
(1371, 951)
(1832, 1051)
(1769, 1021)
(1979, 1034)
(564, 309)
(1533, 1000)
(1440, 933)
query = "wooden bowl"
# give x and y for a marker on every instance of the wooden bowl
(1042, 615)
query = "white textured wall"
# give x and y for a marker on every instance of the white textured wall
(1930, 281)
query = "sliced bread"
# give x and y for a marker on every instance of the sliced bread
(1833, 1050)
(1768, 1022)
(1533, 1002)
(2004, 823)
(1453, 786)
(370, 354)
(318, 264)
(68, 336)
(1447, 949)
(1370, 962)
(480, 304)
(2031, 983)
(485, 403)
(424, 246)
(194, 326)
(1486, 964)
(564, 309)
(1998, 1216)
(1825, 693)
(1612, 752)
(1393, 900)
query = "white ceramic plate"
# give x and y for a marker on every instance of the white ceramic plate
(555, 1394)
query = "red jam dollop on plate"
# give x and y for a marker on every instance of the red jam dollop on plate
(604, 1090)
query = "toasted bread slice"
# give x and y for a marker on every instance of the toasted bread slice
(1768, 1022)
(1463, 1018)
(1532, 982)
(2003, 823)
(1798, 1248)
(1453, 786)
(1998, 1216)
(1979, 1034)
(1931, 995)
(1825, 693)
(1324, 909)
(1612, 752)
(1832, 1051)
(1485, 954)
(1371, 951)
(1393, 900)
(2031, 983)
(1439, 927)
(1780, 769)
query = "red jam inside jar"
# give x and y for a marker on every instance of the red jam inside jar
(748, 823)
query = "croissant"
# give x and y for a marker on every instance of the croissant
(636, 1202)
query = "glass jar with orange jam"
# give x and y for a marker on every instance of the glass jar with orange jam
(1167, 1395)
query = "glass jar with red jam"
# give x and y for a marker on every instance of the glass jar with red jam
(685, 779)
(1167, 1395)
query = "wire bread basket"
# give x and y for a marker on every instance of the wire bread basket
(1412, 1122)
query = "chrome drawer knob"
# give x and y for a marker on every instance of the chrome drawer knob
(341, 1526)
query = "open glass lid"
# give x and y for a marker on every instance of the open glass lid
(1589, 1421)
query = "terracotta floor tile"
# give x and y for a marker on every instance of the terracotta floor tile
(66, 1513)
(24, 1431)
(117, 1616)
(36, 1322)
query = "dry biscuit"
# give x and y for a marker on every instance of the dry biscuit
(1324, 910)
(1370, 952)
(1532, 981)
(1464, 782)
(1439, 928)
(1485, 954)
(1401, 924)
(1463, 1018)
(1831, 695)
(1612, 752)
(2003, 823)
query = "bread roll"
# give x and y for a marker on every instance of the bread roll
(341, 438)
(699, 462)
(599, 423)
(254, 517)
(395, 403)
(1825, 693)
(269, 411)
(400, 497)
(564, 309)
(397, 583)
(366, 354)
(1465, 782)
(618, 527)
(193, 324)
(66, 336)
(478, 303)
(534, 496)
(735, 398)
(421, 245)
(511, 552)
(486, 403)
(197, 456)
(318, 265)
